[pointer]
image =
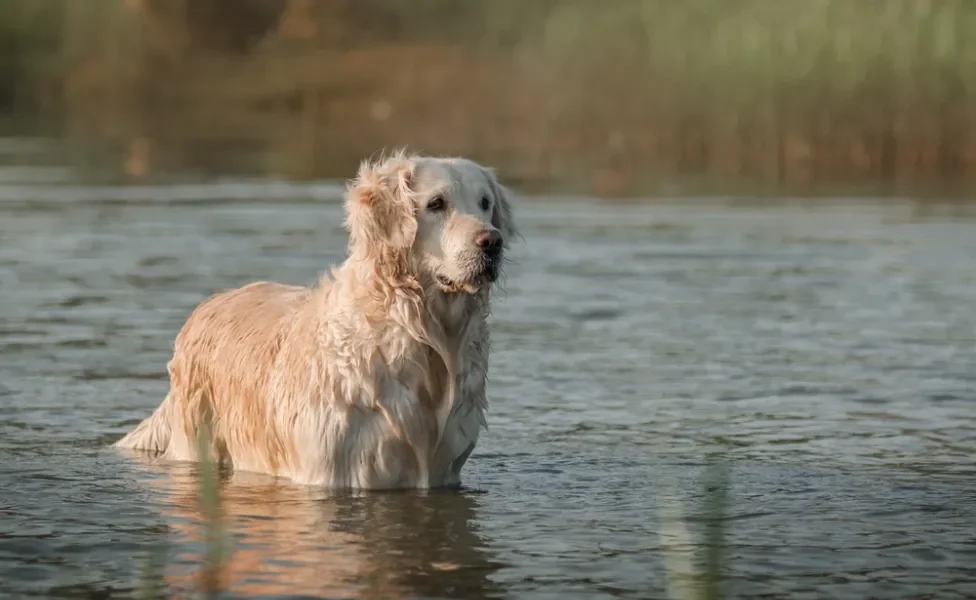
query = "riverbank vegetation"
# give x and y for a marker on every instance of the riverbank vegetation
(617, 98)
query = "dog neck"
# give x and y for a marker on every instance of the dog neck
(456, 310)
(442, 322)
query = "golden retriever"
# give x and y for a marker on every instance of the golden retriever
(375, 377)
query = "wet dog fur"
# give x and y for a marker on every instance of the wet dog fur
(374, 378)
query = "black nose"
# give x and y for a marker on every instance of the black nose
(490, 242)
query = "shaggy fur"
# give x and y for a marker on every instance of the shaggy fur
(375, 377)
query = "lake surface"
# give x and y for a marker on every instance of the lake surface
(824, 354)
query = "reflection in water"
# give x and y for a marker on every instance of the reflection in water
(295, 540)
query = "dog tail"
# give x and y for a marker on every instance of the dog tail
(154, 433)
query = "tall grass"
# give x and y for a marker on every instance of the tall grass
(786, 92)
(29, 35)
(758, 43)
(616, 96)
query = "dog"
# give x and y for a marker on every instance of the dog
(375, 377)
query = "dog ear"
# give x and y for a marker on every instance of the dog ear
(502, 218)
(380, 209)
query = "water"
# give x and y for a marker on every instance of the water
(825, 355)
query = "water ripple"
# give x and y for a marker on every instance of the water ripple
(825, 355)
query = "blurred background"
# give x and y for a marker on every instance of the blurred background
(612, 98)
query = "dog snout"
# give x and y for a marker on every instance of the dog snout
(490, 242)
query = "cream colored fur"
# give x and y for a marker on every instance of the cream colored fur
(373, 378)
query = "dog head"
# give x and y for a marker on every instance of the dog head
(445, 220)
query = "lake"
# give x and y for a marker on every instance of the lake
(818, 356)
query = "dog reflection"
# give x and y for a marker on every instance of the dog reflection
(291, 540)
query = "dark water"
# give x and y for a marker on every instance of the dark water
(825, 355)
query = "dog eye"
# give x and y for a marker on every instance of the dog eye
(436, 205)
(485, 203)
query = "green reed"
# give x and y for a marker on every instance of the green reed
(696, 570)
(152, 583)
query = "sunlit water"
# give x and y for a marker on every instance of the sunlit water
(825, 355)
